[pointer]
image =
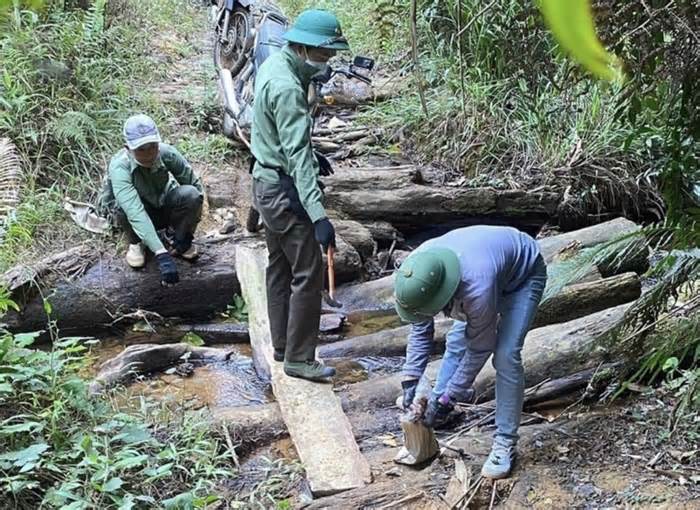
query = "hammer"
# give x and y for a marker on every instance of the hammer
(328, 295)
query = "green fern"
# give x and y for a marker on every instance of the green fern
(94, 22)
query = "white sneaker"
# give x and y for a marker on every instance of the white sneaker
(136, 256)
(500, 461)
(190, 254)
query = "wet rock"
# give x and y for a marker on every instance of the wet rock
(331, 322)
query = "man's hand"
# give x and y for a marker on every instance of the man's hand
(168, 270)
(324, 233)
(325, 168)
(409, 392)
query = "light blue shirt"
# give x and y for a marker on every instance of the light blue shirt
(494, 261)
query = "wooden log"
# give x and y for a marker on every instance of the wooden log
(148, 358)
(110, 289)
(378, 294)
(320, 430)
(404, 199)
(214, 333)
(573, 302)
(548, 353)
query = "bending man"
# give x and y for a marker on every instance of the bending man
(491, 279)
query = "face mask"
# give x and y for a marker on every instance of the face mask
(322, 67)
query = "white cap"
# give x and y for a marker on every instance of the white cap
(139, 130)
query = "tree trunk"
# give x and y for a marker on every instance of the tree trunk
(147, 358)
(548, 353)
(403, 198)
(356, 235)
(317, 424)
(110, 289)
(378, 294)
(573, 302)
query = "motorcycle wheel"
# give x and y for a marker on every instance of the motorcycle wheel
(231, 55)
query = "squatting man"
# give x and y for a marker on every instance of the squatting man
(150, 186)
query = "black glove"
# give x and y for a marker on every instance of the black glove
(324, 233)
(168, 270)
(182, 245)
(437, 411)
(325, 168)
(409, 392)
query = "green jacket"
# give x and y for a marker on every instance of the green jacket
(281, 132)
(130, 187)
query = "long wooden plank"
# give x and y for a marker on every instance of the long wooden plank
(317, 424)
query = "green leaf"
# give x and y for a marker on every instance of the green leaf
(133, 434)
(181, 501)
(127, 503)
(193, 339)
(26, 339)
(571, 22)
(130, 462)
(670, 364)
(47, 307)
(27, 426)
(112, 485)
(19, 458)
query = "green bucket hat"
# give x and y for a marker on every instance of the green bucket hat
(317, 28)
(425, 283)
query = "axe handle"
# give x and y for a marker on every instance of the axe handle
(331, 273)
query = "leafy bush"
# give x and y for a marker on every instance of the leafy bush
(64, 449)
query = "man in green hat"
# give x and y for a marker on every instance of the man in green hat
(286, 191)
(151, 186)
(490, 280)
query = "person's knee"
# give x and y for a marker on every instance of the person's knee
(508, 361)
(190, 196)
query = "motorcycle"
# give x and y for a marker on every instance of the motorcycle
(232, 23)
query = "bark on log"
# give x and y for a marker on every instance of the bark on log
(347, 262)
(378, 294)
(110, 289)
(573, 302)
(148, 358)
(548, 353)
(215, 333)
(66, 264)
(402, 198)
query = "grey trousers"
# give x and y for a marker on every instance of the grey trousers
(294, 275)
(182, 211)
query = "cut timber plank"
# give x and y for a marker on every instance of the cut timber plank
(320, 430)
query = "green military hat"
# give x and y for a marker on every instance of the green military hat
(317, 28)
(425, 283)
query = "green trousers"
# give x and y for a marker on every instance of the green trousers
(294, 275)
